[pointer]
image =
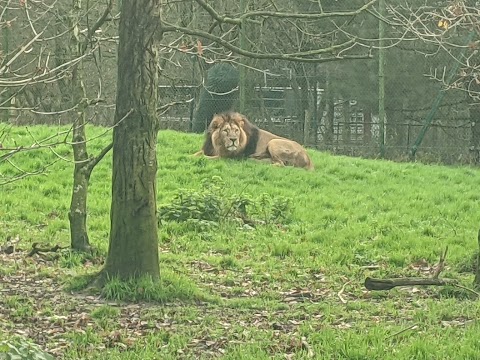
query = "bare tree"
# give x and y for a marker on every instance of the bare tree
(75, 95)
(25, 63)
(451, 28)
(62, 39)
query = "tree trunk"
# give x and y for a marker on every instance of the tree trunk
(81, 173)
(474, 111)
(133, 248)
(476, 282)
(330, 116)
(74, 94)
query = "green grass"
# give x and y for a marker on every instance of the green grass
(235, 292)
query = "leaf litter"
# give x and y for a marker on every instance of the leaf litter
(34, 305)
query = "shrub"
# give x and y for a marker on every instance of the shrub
(22, 350)
(212, 205)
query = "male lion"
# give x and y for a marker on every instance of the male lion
(231, 135)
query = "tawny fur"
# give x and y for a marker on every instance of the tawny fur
(231, 135)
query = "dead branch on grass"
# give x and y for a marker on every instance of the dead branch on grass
(388, 284)
(38, 250)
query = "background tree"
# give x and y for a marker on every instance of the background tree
(38, 91)
(447, 36)
(269, 35)
(75, 96)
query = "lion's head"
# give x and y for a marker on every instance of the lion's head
(229, 134)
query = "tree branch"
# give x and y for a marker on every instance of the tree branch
(101, 20)
(94, 161)
(296, 57)
(278, 14)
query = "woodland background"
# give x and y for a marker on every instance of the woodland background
(347, 105)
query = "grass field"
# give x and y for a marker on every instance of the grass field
(285, 288)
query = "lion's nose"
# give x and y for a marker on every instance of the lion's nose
(233, 140)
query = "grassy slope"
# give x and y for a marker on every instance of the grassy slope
(349, 214)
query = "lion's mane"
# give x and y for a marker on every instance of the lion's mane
(248, 138)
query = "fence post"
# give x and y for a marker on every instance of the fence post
(243, 68)
(381, 78)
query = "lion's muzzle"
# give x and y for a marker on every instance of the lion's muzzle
(233, 144)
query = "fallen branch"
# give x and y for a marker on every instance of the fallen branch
(388, 284)
(37, 250)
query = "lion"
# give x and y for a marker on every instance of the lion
(231, 135)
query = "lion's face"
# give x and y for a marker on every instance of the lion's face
(228, 135)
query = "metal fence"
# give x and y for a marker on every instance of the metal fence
(352, 130)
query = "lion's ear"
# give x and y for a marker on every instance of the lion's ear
(216, 122)
(239, 119)
(245, 123)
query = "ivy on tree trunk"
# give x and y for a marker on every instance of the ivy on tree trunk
(133, 248)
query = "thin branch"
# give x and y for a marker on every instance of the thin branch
(276, 14)
(101, 20)
(441, 264)
(342, 290)
(296, 57)
(20, 52)
(94, 161)
(27, 174)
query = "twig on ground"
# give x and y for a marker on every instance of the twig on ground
(402, 331)
(340, 293)
(441, 264)
(468, 289)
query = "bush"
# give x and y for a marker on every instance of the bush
(22, 350)
(211, 206)
(218, 96)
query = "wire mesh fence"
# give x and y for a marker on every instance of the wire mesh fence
(344, 126)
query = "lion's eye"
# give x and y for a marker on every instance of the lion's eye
(225, 131)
